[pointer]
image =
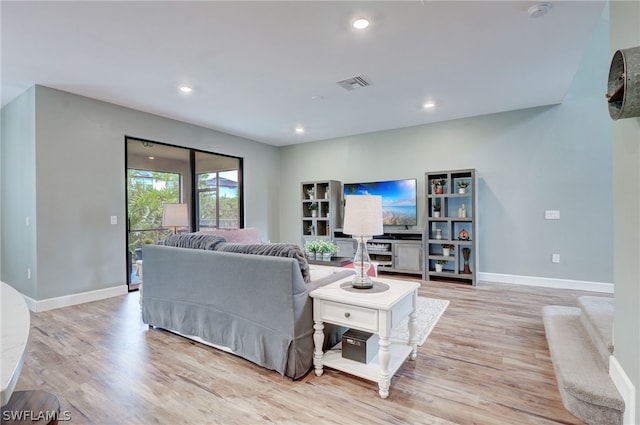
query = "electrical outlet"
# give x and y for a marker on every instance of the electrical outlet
(555, 258)
(114, 219)
(552, 215)
(28, 273)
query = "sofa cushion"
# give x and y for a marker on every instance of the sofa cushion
(246, 235)
(272, 249)
(194, 240)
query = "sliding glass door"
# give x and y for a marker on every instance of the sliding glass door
(158, 174)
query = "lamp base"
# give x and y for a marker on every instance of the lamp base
(362, 264)
(359, 283)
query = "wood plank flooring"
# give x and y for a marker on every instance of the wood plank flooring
(486, 362)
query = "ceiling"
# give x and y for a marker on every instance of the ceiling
(260, 69)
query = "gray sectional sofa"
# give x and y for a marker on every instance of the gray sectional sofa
(256, 306)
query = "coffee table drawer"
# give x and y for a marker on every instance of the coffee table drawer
(351, 316)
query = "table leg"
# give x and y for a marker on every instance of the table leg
(413, 337)
(384, 355)
(318, 342)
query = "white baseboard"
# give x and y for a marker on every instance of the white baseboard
(581, 285)
(625, 388)
(74, 299)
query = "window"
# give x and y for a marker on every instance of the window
(218, 200)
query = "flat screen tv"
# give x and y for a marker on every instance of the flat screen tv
(399, 206)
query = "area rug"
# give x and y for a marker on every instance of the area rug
(428, 312)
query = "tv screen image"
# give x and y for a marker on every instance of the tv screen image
(399, 206)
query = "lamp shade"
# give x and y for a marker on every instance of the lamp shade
(175, 215)
(363, 215)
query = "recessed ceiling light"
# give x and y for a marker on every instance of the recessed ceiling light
(428, 105)
(299, 130)
(360, 23)
(185, 89)
(152, 157)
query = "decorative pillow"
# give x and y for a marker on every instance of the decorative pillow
(272, 249)
(246, 235)
(194, 240)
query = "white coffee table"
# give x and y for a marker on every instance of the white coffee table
(372, 311)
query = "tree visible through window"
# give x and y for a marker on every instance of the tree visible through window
(147, 192)
(218, 200)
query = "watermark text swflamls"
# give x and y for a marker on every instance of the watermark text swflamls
(30, 415)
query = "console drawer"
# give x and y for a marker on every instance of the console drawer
(350, 316)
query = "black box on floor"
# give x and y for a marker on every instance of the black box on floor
(359, 346)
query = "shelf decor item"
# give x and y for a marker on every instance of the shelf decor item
(463, 235)
(438, 185)
(314, 209)
(362, 220)
(466, 252)
(438, 234)
(311, 193)
(436, 209)
(446, 250)
(462, 186)
(439, 265)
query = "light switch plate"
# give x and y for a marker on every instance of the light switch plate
(114, 219)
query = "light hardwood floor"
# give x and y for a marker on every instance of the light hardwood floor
(486, 362)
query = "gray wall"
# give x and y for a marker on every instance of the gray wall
(80, 183)
(625, 33)
(556, 157)
(19, 194)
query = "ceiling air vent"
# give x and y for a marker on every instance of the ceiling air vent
(353, 83)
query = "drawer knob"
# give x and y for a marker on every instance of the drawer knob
(347, 315)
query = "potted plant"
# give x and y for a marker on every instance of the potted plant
(436, 209)
(314, 209)
(439, 265)
(462, 186)
(438, 185)
(446, 250)
(311, 193)
(311, 248)
(327, 248)
(311, 230)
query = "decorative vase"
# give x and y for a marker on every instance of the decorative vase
(439, 190)
(462, 190)
(446, 251)
(438, 233)
(326, 256)
(314, 213)
(436, 213)
(466, 252)
(438, 268)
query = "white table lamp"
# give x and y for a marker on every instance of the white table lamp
(175, 215)
(362, 220)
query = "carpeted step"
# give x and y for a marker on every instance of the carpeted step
(586, 388)
(597, 319)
